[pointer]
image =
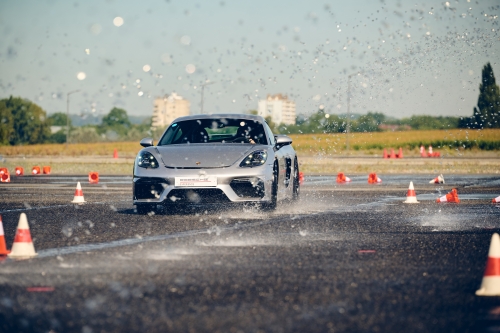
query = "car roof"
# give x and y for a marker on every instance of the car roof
(222, 115)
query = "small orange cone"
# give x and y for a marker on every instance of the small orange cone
(385, 154)
(94, 178)
(3, 246)
(23, 245)
(46, 170)
(400, 154)
(438, 180)
(3, 170)
(78, 195)
(411, 196)
(19, 171)
(495, 200)
(301, 178)
(35, 170)
(490, 285)
(115, 154)
(450, 197)
(5, 178)
(422, 151)
(393, 155)
(373, 179)
(341, 178)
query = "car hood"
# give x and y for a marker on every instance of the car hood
(204, 155)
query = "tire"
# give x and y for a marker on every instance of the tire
(296, 180)
(271, 205)
(143, 209)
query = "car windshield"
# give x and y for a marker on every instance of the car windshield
(214, 130)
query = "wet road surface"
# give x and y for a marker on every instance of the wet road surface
(344, 258)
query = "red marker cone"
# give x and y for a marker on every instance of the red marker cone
(301, 178)
(373, 179)
(19, 171)
(35, 170)
(422, 151)
(94, 178)
(3, 170)
(5, 177)
(78, 195)
(393, 155)
(400, 155)
(341, 178)
(115, 154)
(3, 246)
(490, 285)
(385, 154)
(46, 170)
(495, 200)
(411, 196)
(450, 197)
(438, 180)
(23, 245)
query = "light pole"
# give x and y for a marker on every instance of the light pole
(67, 114)
(348, 121)
(202, 91)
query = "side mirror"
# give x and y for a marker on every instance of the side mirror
(283, 140)
(147, 142)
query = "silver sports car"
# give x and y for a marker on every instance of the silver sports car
(220, 158)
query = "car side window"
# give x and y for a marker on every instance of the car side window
(269, 134)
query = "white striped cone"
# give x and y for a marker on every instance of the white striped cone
(5, 177)
(411, 196)
(442, 199)
(438, 180)
(78, 195)
(491, 279)
(496, 200)
(23, 245)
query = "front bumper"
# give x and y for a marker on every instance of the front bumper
(240, 185)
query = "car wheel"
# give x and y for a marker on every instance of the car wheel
(271, 205)
(143, 209)
(296, 180)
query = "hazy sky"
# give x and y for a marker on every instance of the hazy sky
(416, 57)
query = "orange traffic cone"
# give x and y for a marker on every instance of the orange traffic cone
(19, 171)
(94, 178)
(3, 246)
(438, 180)
(35, 170)
(400, 154)
(373, 179)
(490, 285)
(115, 154)
(495, 200)
(341, 178)
(5, 178)
(46, 170)
(78, 195)
(422, 151)
(3, 170)
(301, 178)
(411, 196)
(393, 155)
(450, 197)
(23, 245)
(385, 154)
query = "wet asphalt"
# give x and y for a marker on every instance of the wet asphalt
(344, 258)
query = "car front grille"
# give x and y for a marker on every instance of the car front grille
(196, 196)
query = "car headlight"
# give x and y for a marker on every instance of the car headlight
(146, 160)
(256, 158)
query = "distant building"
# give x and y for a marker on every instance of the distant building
(279, 108)
(167, 108)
